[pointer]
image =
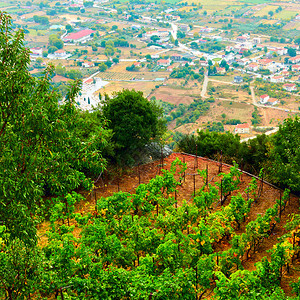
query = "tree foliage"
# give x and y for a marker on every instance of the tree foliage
(134, 121)
(39, 151)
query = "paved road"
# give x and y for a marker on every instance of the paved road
(267, 133)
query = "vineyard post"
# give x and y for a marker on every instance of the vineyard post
(61, 294)
(262, 181)
(293, 240)
(221, 191)
(118, 184)
(194, 184)
(175, 198)
(206, 174)
(196, 269)
(184, 171)
(241, 169)
(95, 195)
(289, 197)
(196, 161)
(162, 158)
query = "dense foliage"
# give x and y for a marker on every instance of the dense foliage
(39, 151)
(134, 121)
(279, 154)
(142, 245)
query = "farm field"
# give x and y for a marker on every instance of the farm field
(231, 110)
(286, 14)
(273, 117)
(229, 91)
(116, 86)
(176, 94)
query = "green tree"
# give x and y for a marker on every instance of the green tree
(292, 52)
(134, 121)
(285, 154)
(39, 152)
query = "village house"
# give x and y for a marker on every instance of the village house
(256, 40)
(88, 81)
(277, 79)
(241, 39)
(221, 70)
(170, 68)
(60, 53)
(285, 74)
(154, 56)
(272, 101)
(161, 33)
(253, 67)
(81, 36)
(88, 64)
(238, 79)
(36, 52)
(264, 98)
(184, 27)
(163, 62)
(296, 68)
(265, 62)
(290, 87)
(176, 57)
(137, 64)
(206, 29)
(242, 128)
(294, 60)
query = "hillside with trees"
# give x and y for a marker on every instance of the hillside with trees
(188, 231)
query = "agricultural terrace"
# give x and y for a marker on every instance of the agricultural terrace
(199, 215)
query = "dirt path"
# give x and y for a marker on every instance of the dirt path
(204, 86)
(253, 95)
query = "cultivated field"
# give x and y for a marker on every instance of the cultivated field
(116, 86)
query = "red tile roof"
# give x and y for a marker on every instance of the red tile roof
(246, 125)
(78, 35)
(264, 96)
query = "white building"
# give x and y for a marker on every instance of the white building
(36, 52)
(242, 128)
(81, 36)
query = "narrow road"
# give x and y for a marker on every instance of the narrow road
(267, 133)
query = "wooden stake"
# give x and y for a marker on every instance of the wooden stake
(221, 191)
(194, 185)
(184, 171)
(95, 195)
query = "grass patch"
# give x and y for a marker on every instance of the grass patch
(237, 105)
(286, 15)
